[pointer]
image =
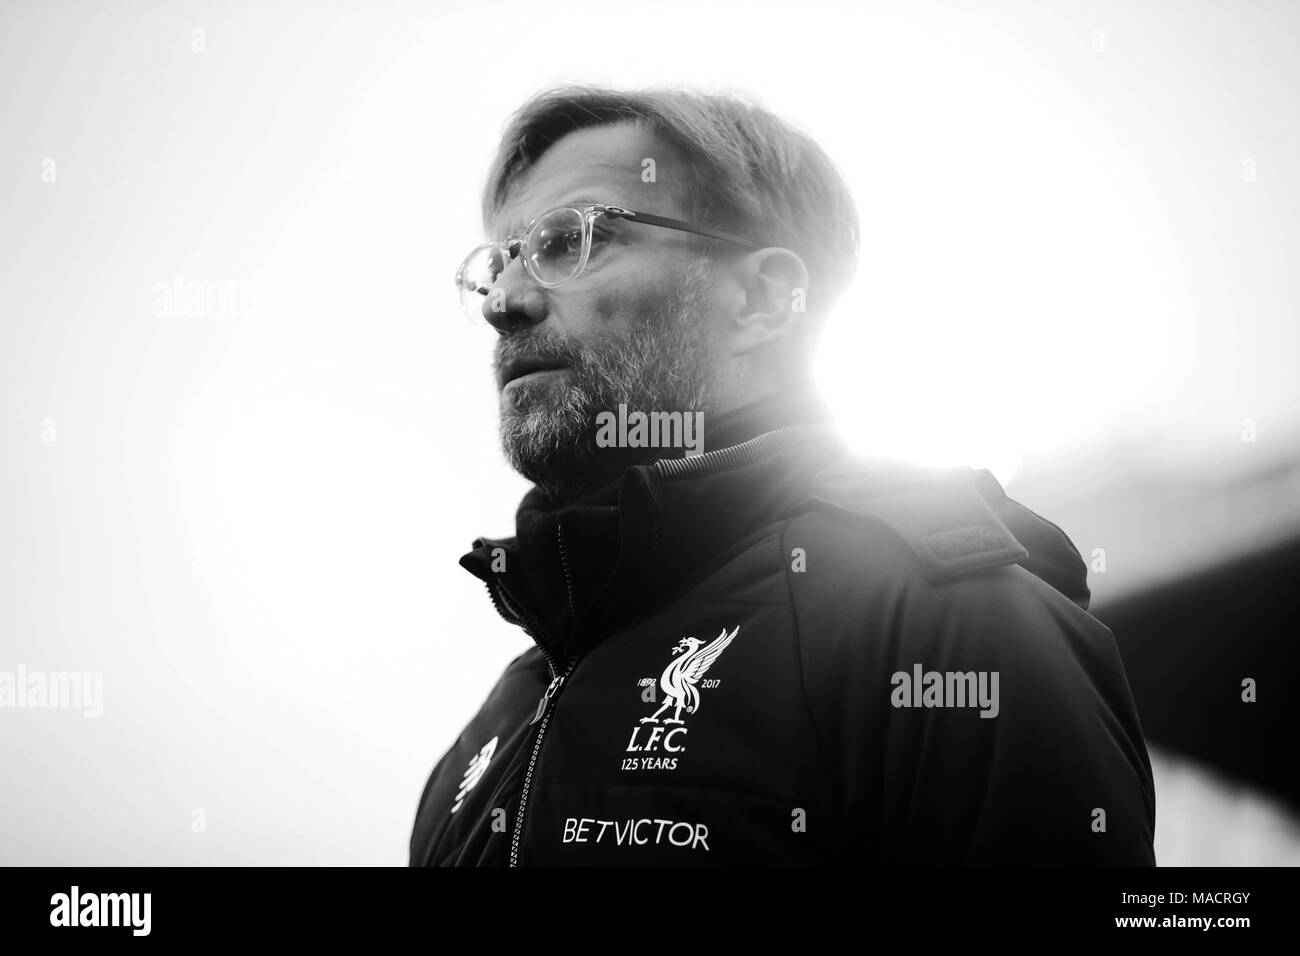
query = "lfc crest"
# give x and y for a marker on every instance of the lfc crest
(680, 683)
(680, 677)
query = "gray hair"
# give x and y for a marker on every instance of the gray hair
(752, 173)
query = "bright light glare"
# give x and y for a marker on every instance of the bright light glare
(1008, 298)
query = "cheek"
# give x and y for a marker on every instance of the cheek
(609, 299)
(617, 297)
(624, 297)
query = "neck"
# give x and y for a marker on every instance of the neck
(797, 406)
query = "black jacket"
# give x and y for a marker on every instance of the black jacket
(781, 653)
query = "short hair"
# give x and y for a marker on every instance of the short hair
(751, 173)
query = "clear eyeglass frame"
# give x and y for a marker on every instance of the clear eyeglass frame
(479, 270)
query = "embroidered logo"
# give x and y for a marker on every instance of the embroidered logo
(478, 765)
(681, 682)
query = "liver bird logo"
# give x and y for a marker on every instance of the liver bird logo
(680, 677)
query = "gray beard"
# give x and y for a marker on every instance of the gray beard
(663, 363)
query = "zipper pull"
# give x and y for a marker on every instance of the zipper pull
(546, 699)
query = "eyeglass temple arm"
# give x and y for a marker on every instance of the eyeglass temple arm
(620, 213)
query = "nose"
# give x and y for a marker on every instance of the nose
(515, 301)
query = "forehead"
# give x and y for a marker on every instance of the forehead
(612, 164)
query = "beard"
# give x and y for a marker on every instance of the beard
(664, 362)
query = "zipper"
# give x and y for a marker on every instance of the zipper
(546, 697)
(564, 563)
(508, 611)
(543, 712)
(733, 456)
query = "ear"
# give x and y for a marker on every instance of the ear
(774, 283)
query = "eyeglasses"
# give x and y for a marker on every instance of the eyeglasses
(555, 247)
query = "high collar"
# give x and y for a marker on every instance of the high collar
(572, 573)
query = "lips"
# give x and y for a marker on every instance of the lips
(519, 367)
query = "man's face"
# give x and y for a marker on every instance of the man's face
(633, 328)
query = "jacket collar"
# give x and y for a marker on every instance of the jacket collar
(571, 574)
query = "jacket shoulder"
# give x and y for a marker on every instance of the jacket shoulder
(889, 595)
(944, 518)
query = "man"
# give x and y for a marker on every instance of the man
(773, 652)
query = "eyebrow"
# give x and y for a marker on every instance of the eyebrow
(575, 201)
